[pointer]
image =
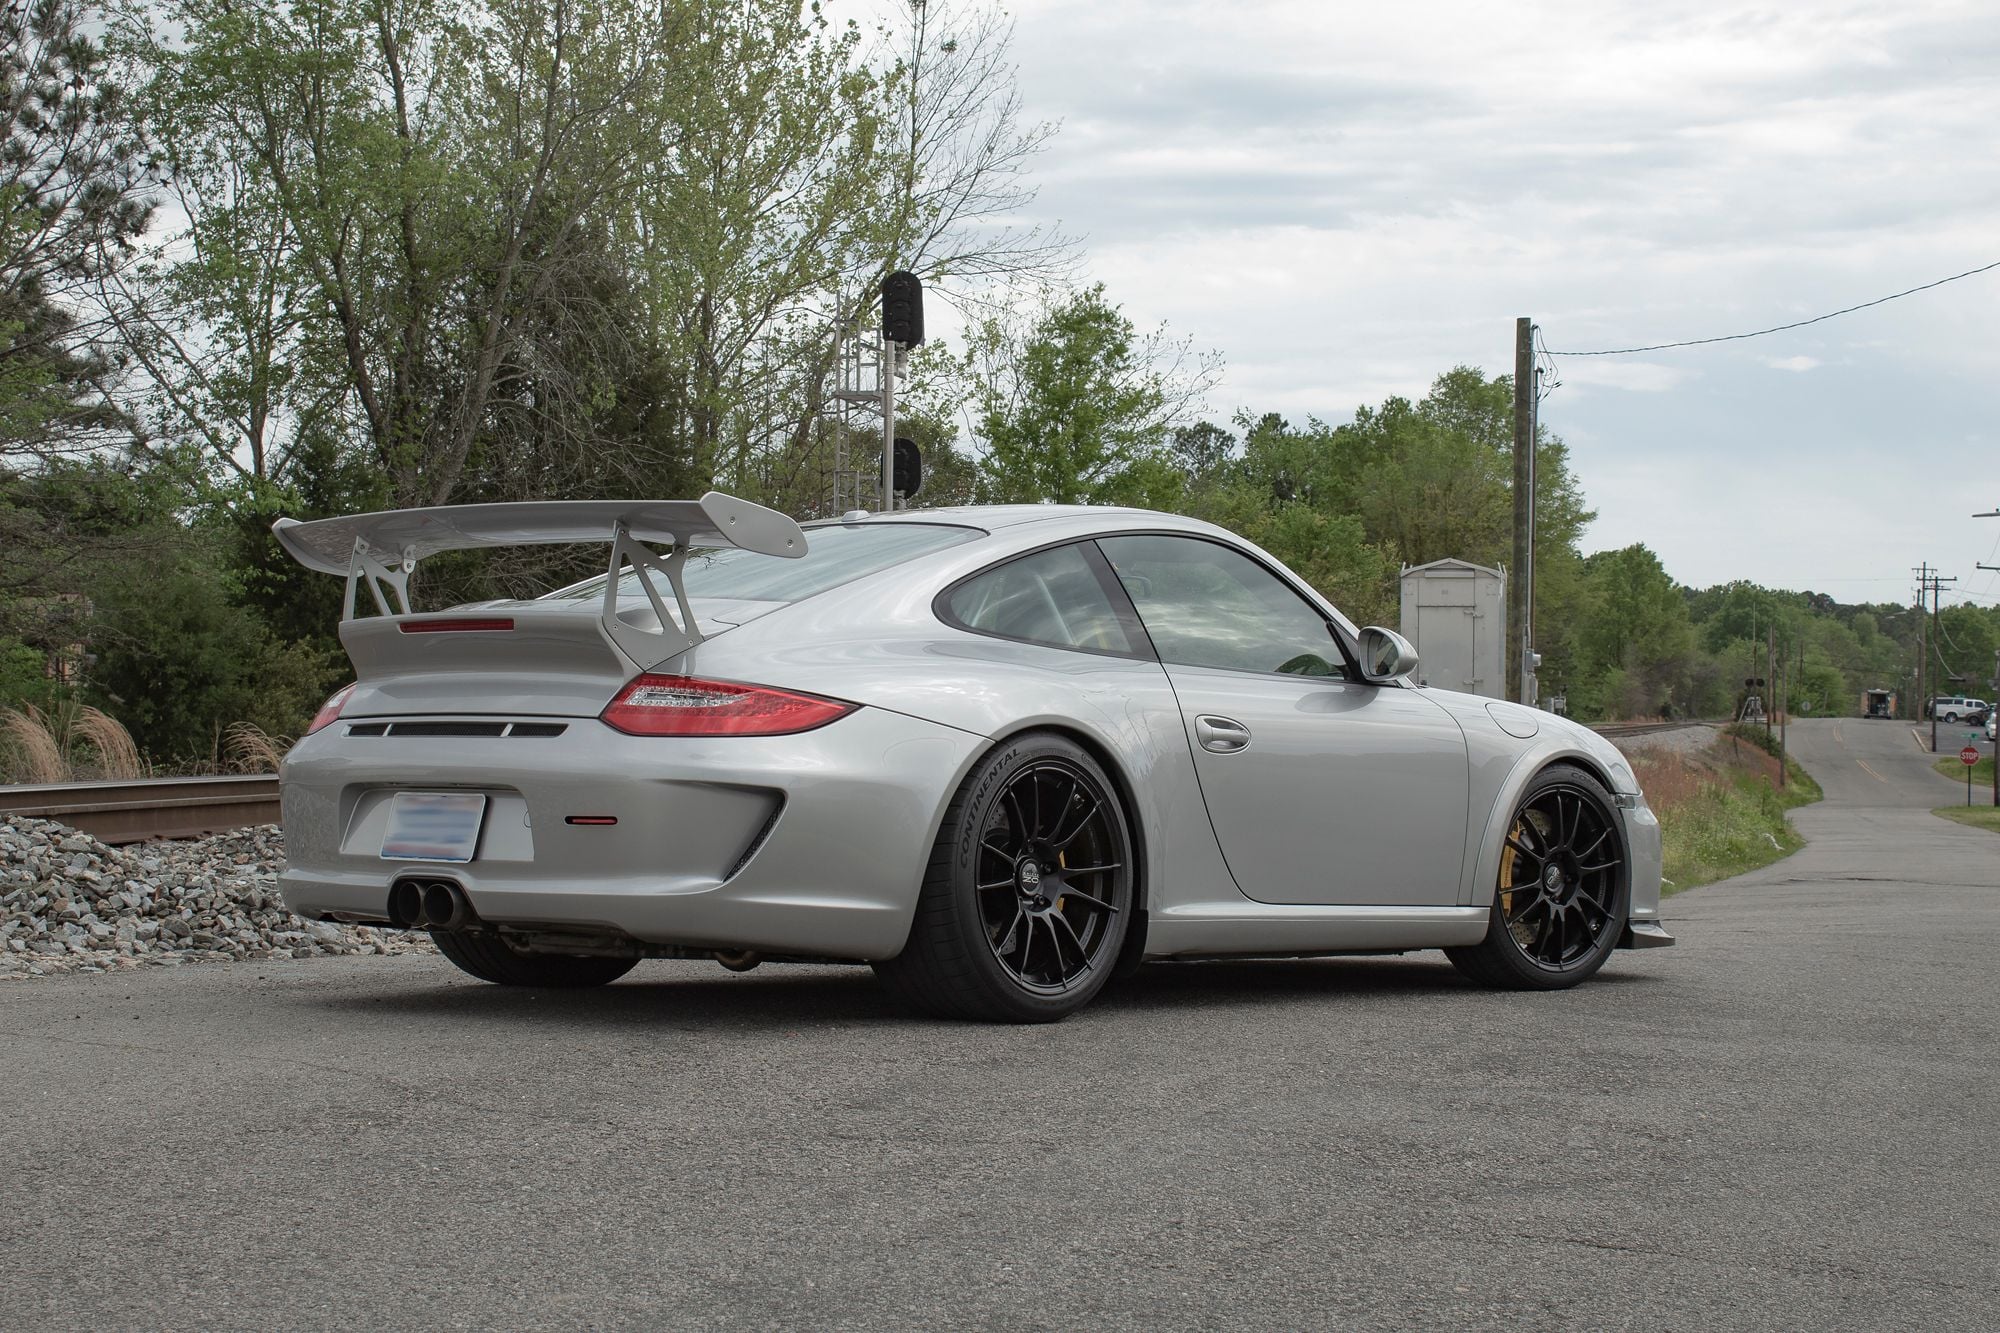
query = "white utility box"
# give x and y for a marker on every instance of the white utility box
(1455, 612)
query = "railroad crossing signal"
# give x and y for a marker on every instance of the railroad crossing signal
(903, 308)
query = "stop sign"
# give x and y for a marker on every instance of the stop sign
(1969, 755)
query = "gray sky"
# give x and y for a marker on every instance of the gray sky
(1346, 200)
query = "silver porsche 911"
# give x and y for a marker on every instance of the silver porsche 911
(1003, 755)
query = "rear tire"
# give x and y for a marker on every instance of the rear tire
(489, 958)
(1564, 887)
(1028, 895)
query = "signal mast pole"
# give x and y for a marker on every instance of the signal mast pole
(889, 351)
(902, 329)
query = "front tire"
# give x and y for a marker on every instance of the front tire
(490, 959)
(1564, 887)
(1028, 894)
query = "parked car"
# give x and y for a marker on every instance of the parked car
(1000, 754)
(1953, 707)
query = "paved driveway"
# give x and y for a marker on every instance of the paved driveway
(1792, 1120)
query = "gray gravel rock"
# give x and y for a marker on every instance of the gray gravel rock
(69, 903)
(1691, 739)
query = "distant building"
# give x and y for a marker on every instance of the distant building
(1455, 612)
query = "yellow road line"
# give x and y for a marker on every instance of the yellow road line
(1838, 739)
(1869, 771)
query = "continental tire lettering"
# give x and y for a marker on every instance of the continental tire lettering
(976, 807)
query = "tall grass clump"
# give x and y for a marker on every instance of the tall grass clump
(251, 749)
(117, 758)
(29, 748)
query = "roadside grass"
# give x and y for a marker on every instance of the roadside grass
(1978, 816)
(1721, 811)
(1981, 813)
(1982, 773)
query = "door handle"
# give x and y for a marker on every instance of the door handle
(1221, 735)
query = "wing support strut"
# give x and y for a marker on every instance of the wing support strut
(648, 647)
(394, 576)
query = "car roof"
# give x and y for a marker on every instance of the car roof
(994, 517)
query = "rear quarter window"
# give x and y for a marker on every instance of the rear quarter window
(1058, 598)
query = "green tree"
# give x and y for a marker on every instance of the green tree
(390, 227)
(1640, 618)
(1201, 449)
(1078, 408)
(73, 198)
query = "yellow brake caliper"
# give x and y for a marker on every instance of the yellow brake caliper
(1507, 855)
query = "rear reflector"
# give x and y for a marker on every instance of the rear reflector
(653, 705)
(455, 626)
(591, 820)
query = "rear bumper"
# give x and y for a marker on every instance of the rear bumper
(811, 844)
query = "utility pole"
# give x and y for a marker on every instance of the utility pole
(1521, 588)
(1750, 672)
(1770, 675)
(1937, 586)
(1785, 681)
(1994, 513)
(1923, 699)
(1930, 581)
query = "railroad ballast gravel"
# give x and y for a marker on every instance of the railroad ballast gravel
(69, 903)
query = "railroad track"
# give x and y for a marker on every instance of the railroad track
(122, 812)
(1643, 728)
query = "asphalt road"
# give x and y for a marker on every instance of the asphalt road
(1791, 1120)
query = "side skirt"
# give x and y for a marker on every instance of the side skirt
(1240, 928)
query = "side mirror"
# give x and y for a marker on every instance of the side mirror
(1385, 655)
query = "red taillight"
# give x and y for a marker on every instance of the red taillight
(450, 626)
(330, 710)
(651, 705)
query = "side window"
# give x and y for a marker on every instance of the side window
(1206, 605)
(1052, 597)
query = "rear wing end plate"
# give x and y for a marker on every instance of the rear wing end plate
(379, 551)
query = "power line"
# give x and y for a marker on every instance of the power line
(1780, 328)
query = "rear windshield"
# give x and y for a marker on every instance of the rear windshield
(835, 554)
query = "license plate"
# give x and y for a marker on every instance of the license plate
(433, 826)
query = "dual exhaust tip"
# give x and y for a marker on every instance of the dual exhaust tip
(429, 904)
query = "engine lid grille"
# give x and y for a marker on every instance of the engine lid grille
(465, 728)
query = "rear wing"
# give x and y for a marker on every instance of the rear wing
(380, 550)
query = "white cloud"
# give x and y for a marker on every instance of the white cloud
(1347, 200)
(1636, 376)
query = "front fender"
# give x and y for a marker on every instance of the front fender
(1638, 827)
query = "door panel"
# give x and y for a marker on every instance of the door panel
(1344, 792)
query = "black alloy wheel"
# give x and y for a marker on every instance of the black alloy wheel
(1029, 892)
(1559, 906)
(1050, 867)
